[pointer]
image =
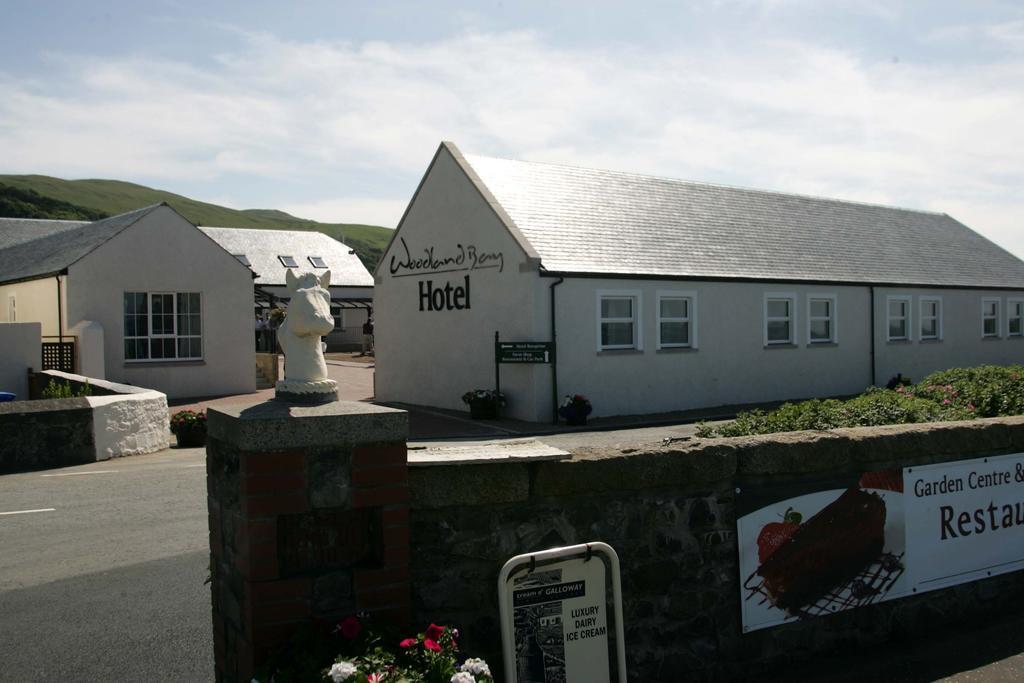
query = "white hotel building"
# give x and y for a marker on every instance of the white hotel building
(668, 295)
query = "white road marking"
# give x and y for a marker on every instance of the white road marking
(25, 512)
(76, 474)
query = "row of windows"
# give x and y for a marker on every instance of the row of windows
(619, 315)
(929, 317)
(162, 326)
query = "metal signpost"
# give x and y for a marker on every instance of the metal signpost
(554, 615)
(524, 352)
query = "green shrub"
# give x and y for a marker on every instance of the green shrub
(57, 389)
(987, 390)
(957, 394)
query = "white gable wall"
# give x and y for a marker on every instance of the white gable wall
(432, 357)
(163, 252)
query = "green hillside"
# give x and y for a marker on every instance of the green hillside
(85, 199)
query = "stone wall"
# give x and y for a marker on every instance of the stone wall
(309, 521)
(669, 511)
(114, 420)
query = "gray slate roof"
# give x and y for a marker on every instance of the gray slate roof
(590, 221)
(59, 244)
(17, 230)
(262, 247)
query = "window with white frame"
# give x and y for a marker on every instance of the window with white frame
(821, 319)
(1015, 317)
(779, 319)
(618, 320)
(931, 318)
(898, 318)
(677, 320)
(162, 326)
(990, 317)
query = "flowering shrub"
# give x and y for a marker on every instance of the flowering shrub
(186, 421)
(957, 394)
(356, 650)
(484, 397)
(575, 407)
(429, 657)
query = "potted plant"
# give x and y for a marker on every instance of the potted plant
(575, 409)
(483, 403)
(189, 428)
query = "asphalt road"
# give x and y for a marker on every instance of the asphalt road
(108, 586)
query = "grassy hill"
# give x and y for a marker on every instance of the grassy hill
(87, 199)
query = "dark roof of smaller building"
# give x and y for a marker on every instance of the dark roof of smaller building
(17, 230)
(586, 221)
(59, 244)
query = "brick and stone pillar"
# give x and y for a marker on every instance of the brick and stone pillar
(309, 519)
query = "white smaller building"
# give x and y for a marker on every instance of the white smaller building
(142, 298)
(272, 253)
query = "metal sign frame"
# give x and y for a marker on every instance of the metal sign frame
(535, 560)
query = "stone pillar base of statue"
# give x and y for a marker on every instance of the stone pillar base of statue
(299, 391)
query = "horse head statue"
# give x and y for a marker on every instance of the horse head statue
(309, 319)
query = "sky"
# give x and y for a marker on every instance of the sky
(332, 110)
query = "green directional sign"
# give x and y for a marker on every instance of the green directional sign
(524, 352)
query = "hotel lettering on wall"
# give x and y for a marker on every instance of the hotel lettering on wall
(442, 293)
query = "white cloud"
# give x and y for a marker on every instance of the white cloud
(349, 121)
(385, 212)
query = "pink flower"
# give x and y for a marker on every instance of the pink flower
(946, 402)
(407, 643)
(375, 678)
(350, 628)
(431, 645)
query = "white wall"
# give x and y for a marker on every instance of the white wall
(731, 363)
(962, 344)
(90, 348)
(36, 302)
(432, 357)
(21, 350)
(162, 252)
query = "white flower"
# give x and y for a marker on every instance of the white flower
(342, 671)
(463, 677)
(476, 666)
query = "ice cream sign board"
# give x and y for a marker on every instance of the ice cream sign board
(555, 615)
(816, 550)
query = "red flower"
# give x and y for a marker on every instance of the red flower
(431, 645)
(407, 643)
(434, 632)
(350, 628)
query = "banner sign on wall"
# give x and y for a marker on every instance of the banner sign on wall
(817, 548)
(554, 615)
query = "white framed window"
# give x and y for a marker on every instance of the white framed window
(288, 261)
(338, 313)
(990, 317)
(162, 326)
(677, 320)
(821, 319)
(930, 315)
(317, 262)
(897, 315)
(618, 320)
(243, 259)
(1015, 317)
(779, 319)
